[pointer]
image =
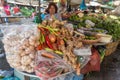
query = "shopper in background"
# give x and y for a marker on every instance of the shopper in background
(52, 12)
(1, 5)
(5, 5)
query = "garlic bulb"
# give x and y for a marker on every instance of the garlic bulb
(19, 45)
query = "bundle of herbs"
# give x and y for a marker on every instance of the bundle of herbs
(112, 26)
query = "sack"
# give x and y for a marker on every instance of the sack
(20, 42)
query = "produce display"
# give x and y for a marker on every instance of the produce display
(55, 47)
(49, 36)
(58, 37)
(20, 46)
(26, 11)
(105, 23)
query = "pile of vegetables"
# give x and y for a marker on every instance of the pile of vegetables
(26, 11)
(61, 40)
(112, 26)
(102, 21)
(49, 36)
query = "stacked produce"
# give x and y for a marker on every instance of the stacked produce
(102, 22)
(72, 41)
(61, 40)
(20, 43)
(49, 35)
(26, 11)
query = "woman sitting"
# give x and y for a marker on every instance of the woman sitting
(52, 12)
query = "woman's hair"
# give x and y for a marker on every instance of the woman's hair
(52, 4)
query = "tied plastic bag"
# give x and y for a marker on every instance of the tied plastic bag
(83, 60)
(53, 66)
(84, 51)
(20, 42)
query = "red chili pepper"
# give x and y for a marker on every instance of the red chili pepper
(48, 42)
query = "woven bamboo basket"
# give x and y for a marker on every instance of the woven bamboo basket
(111, 47)
(90, 41)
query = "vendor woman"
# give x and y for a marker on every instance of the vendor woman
(52, 12)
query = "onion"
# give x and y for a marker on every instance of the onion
(52, 38)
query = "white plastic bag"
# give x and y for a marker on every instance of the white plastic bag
(19, 43)
(84, 51)
(116, 11)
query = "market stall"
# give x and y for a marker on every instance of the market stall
(55, 49)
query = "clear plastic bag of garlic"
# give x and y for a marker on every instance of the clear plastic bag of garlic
(19, 43)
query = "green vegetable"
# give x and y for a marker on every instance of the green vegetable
(58, 52)
(102, 54)
(112, 26)
(90, 37)
(26, 12)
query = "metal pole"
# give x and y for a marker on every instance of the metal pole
(39, 14)
(30, 2)
(68, 5)
(39, 8)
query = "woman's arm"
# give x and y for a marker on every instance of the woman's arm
(58, 17)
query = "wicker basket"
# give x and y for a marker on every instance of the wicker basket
(90, 41)
(111, 47)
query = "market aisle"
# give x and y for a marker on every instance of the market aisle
(110, 68)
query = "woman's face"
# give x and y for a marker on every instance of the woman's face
(52, 10)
